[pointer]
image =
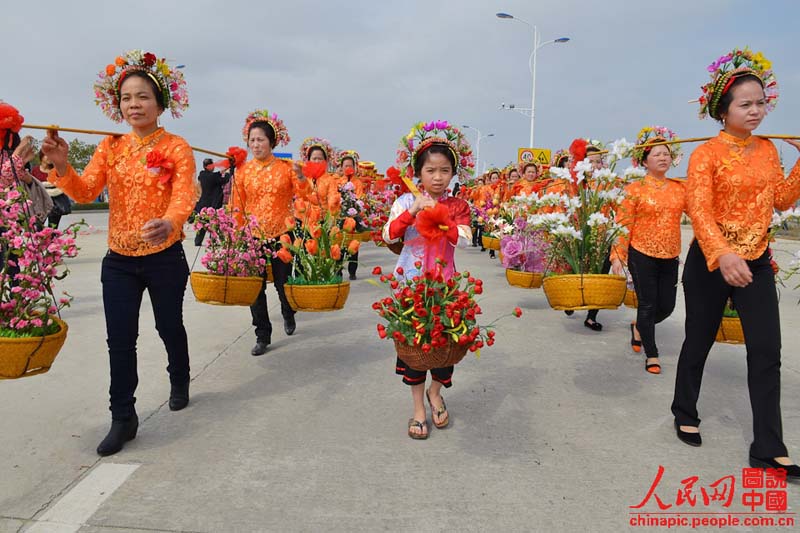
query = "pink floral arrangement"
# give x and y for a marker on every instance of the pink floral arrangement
(32, 259)
(232, 250)
(525, 249)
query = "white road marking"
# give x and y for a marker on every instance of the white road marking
(78, 505)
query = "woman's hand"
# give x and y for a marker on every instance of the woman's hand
(734, 270)
(56, 149)
(794, 143)
(298, 170)
(420, 203)
(156, 230)
(25, 149)
(616, 267)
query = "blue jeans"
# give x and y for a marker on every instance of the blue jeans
(125, 278)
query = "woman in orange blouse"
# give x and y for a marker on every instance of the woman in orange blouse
(324, 195)
(151, 192)
(735, 181)
(651, 211)
(266, 186)
(529, 183)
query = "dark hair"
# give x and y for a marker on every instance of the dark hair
(264, 126)
(345, 158)
(591, 149)
(646, 151)
(525, 168)
(153, 85)
(207, 161)
(563, 161)
(434, 149)
(515, 170)
(726, 99)
(313, 148)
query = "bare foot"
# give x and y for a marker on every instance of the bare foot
(690, 429)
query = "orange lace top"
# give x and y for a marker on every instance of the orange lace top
(525, 187)
(135, 193)
(266, 189)
(733, 186)
(651, 210)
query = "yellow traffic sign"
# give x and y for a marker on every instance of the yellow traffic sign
(540, 156)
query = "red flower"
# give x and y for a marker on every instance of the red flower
(314, 169)
(399, 270)
(349, 224)
(159, 165)
(377, 271)
(394, 284)
(284, 255)
(577, 150)
(336, 252)
(353, 247)
(149, 59)
(349, 171)
(236, 155)
(312, 247)
(517, 312)
(433, 223)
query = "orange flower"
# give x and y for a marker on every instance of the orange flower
(315, 231)
(336, 252)
(111, 69)
(120, 61)
(314, 213)
(285, 239)
(349, 224)
(311, 246)
(298, 242)
(335, 233)
(300, 206)
(284, 255)
(352, 248)
(289, 222)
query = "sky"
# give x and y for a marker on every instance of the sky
(360, 73)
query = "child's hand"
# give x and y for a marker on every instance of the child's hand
(420, 203)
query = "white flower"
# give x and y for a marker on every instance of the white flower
(632, 173)
(560, 173)
(611, 195)
(621, 149)
(604, 175)
(583, 169)
(573, 203)
(566, 231)
(597, 219)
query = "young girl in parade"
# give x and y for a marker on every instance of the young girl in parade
(433, 152)
(735, 181)
(651, 211)
(149, 174)
(265, 187)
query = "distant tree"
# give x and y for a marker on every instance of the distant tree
(80, 153)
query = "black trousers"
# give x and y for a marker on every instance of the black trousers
(592, 314)
(199, 236)
(259, 310)
(125, 279)
(655, 281)
(706, 293)
(477, 236)
(352, 264)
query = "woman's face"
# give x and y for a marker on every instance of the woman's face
(348, 167)
(436, 173)
(530, 173)
(258, 142)
(138, 103)
(493, 177)
(658, 160)
(513, 175)
(748, 107)
(317, 156)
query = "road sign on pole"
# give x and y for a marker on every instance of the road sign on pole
(540, 156)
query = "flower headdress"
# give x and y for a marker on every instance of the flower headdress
(10, 120)
(731, 66)
(348, 154)
(317, 142)
(262, 115)
(654, 134)
(169, 81)
(559, 156)
(423, 135)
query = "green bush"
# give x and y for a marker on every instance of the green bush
(96, 206)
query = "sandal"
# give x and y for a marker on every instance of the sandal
(423, 429)
(635, 345)
(438, 412)
(653, 368)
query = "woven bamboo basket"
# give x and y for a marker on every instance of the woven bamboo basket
(23, 357)
(526, 280)
(225, 290)
(414, 357)
(317, 297)
(631, 300)
(575, 292)
(730, 331)
(490, 243)
(361, 236)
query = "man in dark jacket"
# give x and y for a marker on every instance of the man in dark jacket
(211, 184)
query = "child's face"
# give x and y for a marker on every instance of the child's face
(436, 174)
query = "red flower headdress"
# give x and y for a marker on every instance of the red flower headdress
(10, 120)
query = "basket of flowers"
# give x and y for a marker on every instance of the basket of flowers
(432, 320)
(236, 263)
(31, 330)
(730, 329)
(523, 254)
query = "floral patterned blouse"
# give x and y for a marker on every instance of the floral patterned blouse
(733, 187)
(136, 193)
(651, 210)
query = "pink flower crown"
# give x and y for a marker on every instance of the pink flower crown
(423, 135)
(262, 115)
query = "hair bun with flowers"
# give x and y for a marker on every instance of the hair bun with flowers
(654, 134)
(425, 134)
(726, 69)
(169, 81)
(559, 156)
(347, 154)
(317, 142)
(262, 115)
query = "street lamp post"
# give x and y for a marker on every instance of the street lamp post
(478, 145)
(537, 43)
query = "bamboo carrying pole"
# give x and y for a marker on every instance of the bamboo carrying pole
(55, 127)
(700, 139)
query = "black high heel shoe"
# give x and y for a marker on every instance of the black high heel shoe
(792, 471)
(594, 325)
(636, 345)
(692, 439)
